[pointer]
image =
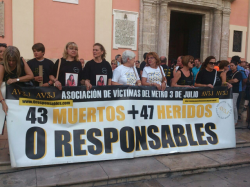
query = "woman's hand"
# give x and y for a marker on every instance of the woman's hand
(38, 79)
(163, 86)
(229, 85)
(210, 86)
(138, 83)
(88, 85)
(11, 81)
(58, 85)
(5, 107)
(157, 86)
(45, 85)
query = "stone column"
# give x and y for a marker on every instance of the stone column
(225, 35)
(162, 37)
(216, 36)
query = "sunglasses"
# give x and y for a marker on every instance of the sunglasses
(3, 45)
(113, 64)
(212, 63)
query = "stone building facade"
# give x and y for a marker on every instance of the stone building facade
(155, 25)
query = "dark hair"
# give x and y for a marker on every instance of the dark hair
(38, 47)
(145, 56)
(236, 59)
(70, 79)
(205, 63)
(223, 64)
(234, 62)
(3, 45)
(197, 59)
(100, 78)
(102, 49)
(164, 60)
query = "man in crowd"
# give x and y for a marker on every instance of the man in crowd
(39, 51)
(242, 83)
(118, 59)
(137, 65)
(168, 71)
(143, 64)
(196, 68)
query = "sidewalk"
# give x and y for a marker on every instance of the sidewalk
(126, 170)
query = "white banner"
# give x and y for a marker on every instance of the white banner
(114, 123)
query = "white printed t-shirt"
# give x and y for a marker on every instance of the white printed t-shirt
(152, 75)
(125, 75)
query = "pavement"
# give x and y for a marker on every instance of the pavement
(127, 172)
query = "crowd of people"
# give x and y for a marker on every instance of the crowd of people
(185, 71)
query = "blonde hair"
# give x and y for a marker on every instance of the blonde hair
(65, 53)
(12, 54)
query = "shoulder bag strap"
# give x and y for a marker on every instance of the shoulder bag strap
(234, 74)
(215, 77)
(59, 65)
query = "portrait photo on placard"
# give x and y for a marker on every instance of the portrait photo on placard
(71, 79)
(101, 80)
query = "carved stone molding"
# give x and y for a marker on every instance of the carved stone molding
(155, 23)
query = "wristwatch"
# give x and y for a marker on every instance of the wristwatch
(17, 79)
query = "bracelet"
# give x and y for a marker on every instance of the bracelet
(49, 84)
(2, 100)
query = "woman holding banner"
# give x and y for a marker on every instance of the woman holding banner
(68, 66)
(13, 69)
(126, 74)
(153, 74)
(184, 76)
(97, 68)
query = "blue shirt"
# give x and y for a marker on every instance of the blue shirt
(242, 70)
(195, 70)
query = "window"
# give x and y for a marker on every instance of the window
(237, 41)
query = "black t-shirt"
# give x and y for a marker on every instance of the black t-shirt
(168, 73)
(98, 73)
(138, 71)
(235, 75)
(185, 80)
(67, 69)
(143, 64)
(13, 74)
(47, 67)
(207, 77)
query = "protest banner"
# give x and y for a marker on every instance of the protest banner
(47, 126)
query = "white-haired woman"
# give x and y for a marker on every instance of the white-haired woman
(126, 74)
(68, 65)
(13, 69)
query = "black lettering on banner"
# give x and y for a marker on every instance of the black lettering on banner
(156, 143)
(97, 148)
(35, 145)
(110, 136)
(62, 144)
(127, 139)
(78, 142)
(199, 133)
(190, 135)
(141, 138)
(31, 115)
(166, 137)
(214, 139)
(180, 138)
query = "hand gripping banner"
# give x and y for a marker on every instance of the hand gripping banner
(47, 126)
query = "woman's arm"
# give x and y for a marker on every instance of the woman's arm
(115, 83)
(109, 82)
(144, 82)
(4, 106)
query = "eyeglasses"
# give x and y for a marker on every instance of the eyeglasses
(113, 64)
(3, 45)
(150, 58)
(212, 63)
(192, 62)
